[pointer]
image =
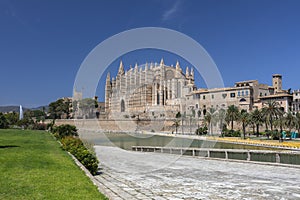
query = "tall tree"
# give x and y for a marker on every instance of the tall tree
(221, 118)
(257, 118)
(272, 112)
(176, 123)
(59, 108)
(290, 120)
(232, 114)
(3, 121)
(297, 119)
(244, 119)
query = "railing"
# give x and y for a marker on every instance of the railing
(279, 157)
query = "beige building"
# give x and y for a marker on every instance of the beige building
(161, 91)
(296, 101)
(148, 91)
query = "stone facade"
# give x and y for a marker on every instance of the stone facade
(148, 91)
(296, 101)
(161, 91)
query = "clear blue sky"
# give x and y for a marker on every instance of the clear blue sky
(43, 43)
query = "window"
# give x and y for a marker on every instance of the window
(243, 94)
(232, 95)
(260, 94)
(122, 106)
(212, 96)
(203, 96)
(239, 93)
(247, 92)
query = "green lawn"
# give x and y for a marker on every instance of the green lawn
(33, 166)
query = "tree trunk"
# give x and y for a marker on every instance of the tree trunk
(231, 124)
(257, 130)
(244, 130)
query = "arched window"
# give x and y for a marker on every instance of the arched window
(122, 106)
(242, 100)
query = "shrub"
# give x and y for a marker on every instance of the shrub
(76, 147)
(201, 131)
(3, 121)
(40, 126)
(65, 130)
(275, 135)
(232, 133)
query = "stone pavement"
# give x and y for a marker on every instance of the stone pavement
(136, 175)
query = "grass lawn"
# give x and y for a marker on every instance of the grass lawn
(33, 166)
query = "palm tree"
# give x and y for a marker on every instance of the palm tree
(208, 121)
(297, 120)
(290, 121)
(257, 119)
(176, 124)
(244, 119)
(232, 114)
(272, 112)
(211, 118)
(221, 118)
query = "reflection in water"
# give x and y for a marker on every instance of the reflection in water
(126, 141)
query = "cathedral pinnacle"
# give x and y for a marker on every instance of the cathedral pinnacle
(121, 68)
(178, 68)
(108, 77)
(162, 62)
(192, 72)
(187, 73)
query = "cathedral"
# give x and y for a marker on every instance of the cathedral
(148, 91)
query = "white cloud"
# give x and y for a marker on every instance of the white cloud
(169, 13)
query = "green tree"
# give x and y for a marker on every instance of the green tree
(290, 121)
(59, 108)
(176, 124)
(257, 119)
(221, 119)
(232, 114)
(297, 119)
(244, 119)
(3, 121)
(271, 112)
(65, 130)
(211, 118)
(12, 118)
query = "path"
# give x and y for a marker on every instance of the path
(129, 175)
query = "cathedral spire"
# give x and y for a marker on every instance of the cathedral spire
(121, 69)
(108, 77)
(162, 62)
(192, 72)
(187, 73)
(136, 67)
(178, 68)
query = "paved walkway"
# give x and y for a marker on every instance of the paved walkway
(136, 175)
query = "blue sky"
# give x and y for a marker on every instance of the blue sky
(43, 43)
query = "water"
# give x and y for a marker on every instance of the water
(126, 141)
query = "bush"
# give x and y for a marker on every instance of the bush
(40, 126)
(275, 135)
(76, 147)
(64, 131)
(232, 133)
(3, 121)
(201, 131)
